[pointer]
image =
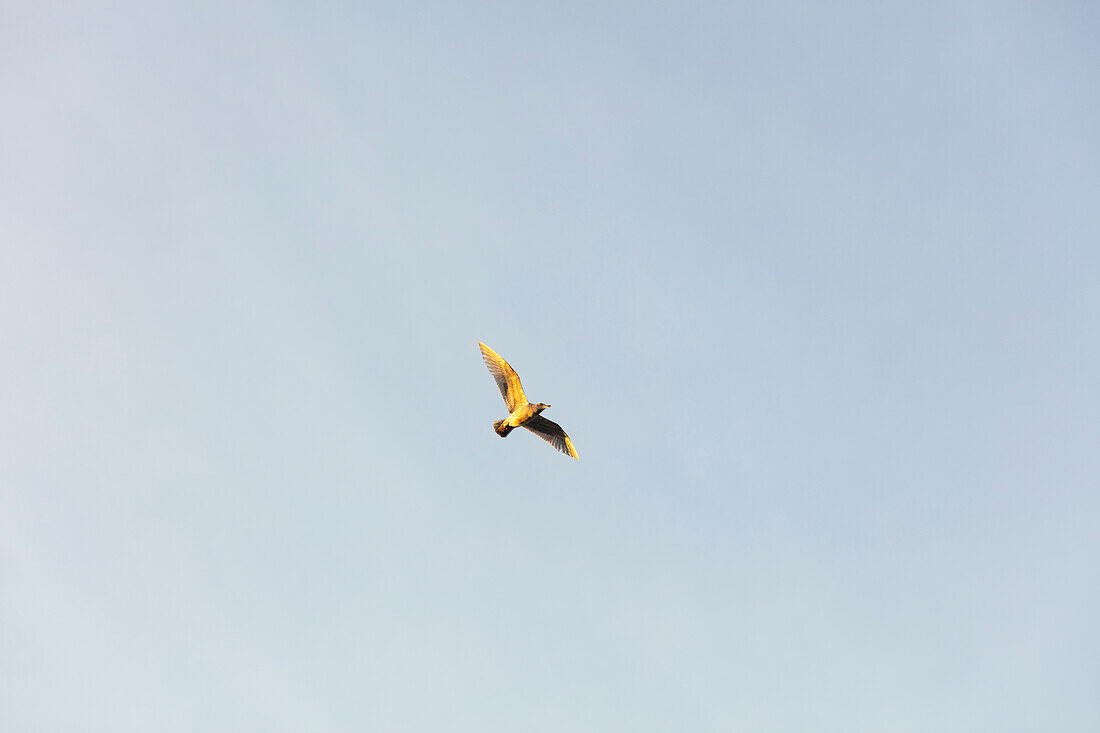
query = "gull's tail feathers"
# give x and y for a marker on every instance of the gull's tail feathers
(502, 429)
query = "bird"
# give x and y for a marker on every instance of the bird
(522, 414)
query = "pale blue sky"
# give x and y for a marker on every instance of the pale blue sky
(815, 290)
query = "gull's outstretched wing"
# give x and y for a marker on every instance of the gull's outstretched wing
(507, 379)
(552, 433)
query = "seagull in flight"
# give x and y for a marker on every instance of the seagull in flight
(522, 414)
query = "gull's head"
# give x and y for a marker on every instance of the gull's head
(542, 406)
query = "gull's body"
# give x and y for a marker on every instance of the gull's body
(521, 413)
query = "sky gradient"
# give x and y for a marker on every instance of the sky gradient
(814, 290)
